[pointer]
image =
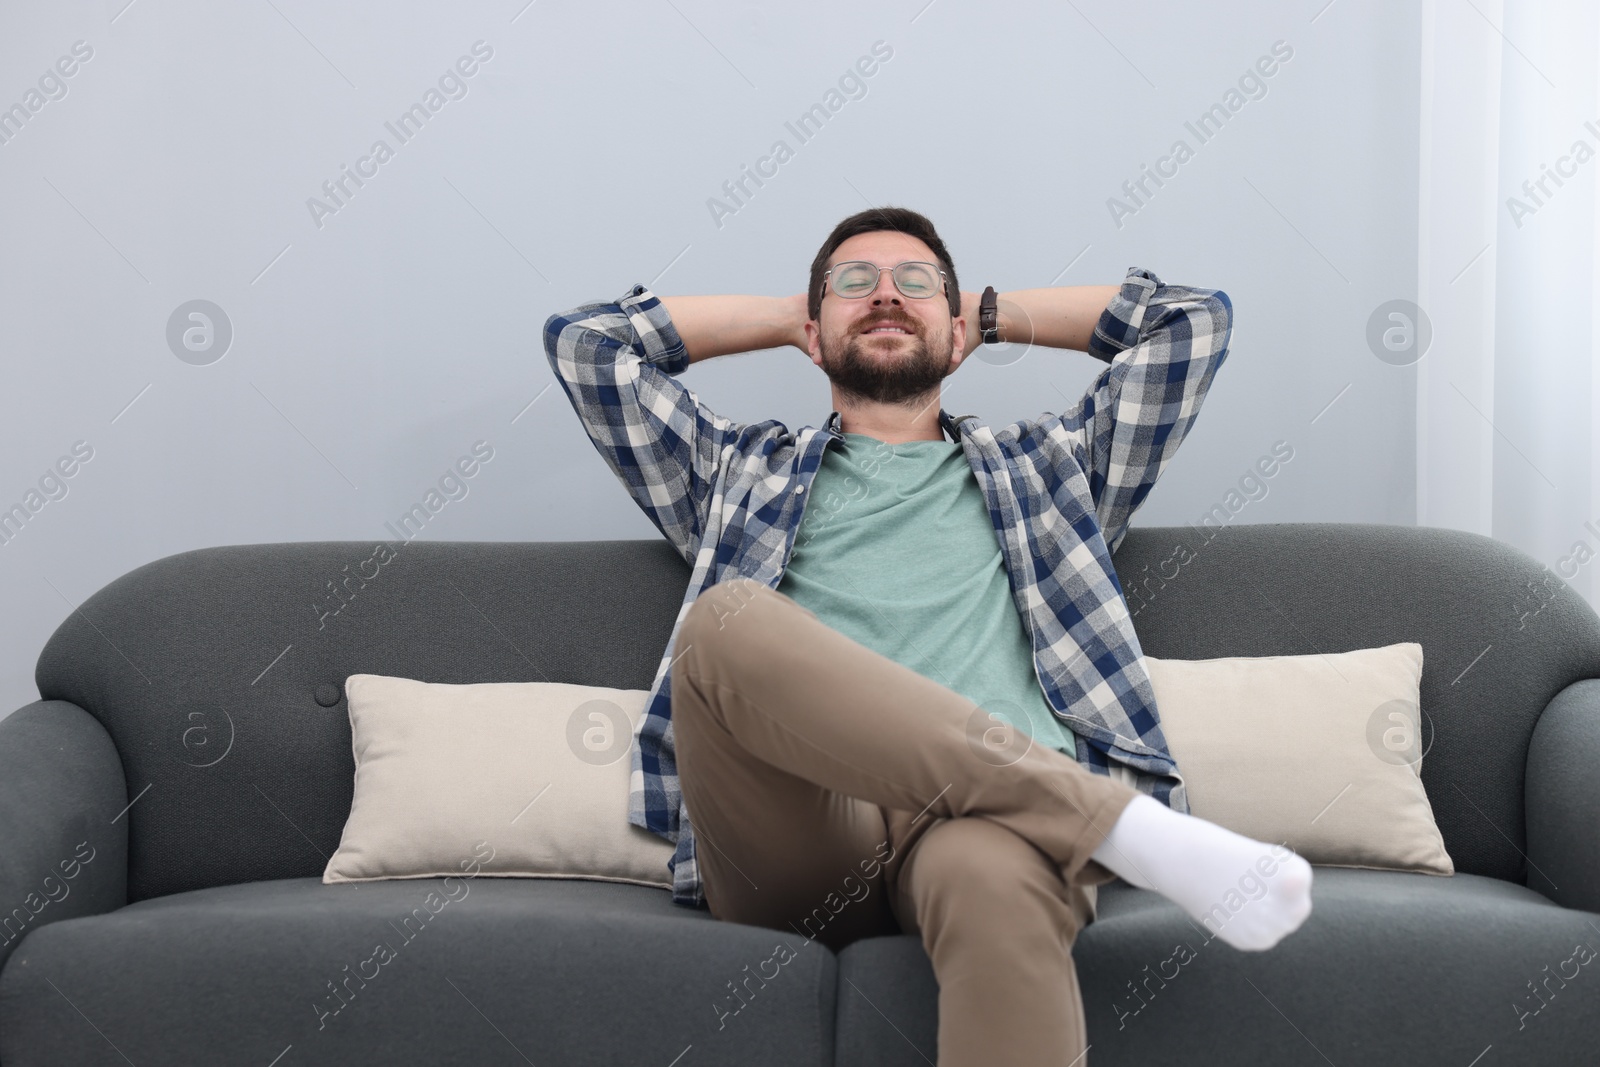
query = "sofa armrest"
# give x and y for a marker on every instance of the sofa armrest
(61, 786)
(1562, 797)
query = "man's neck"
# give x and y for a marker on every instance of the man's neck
(892, 423)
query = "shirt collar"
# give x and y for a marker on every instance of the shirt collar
(950, 424)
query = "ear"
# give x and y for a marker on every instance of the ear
(958, 341)
(814, 341)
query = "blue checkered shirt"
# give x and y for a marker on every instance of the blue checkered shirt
(1060, 488)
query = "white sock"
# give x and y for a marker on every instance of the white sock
(1247, 892)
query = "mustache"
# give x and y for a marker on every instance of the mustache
(903, 321)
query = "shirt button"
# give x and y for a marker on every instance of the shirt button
(799, 488)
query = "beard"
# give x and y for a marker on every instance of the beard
(866, 368)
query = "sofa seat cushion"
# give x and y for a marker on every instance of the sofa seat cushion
(556, 970)
(1391, 967)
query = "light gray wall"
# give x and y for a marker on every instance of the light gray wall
(375, 345)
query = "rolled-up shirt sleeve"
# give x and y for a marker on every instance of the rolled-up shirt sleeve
(618, 364)
(1163, 344)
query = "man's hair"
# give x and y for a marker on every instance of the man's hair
(898, 220)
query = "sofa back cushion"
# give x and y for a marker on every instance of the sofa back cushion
(219, 672)
(1501, 635)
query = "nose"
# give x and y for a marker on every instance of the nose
(885, 289)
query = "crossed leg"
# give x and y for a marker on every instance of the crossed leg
(806, 758)
(999, 925)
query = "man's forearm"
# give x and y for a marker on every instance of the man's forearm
(719, 325)
(1060, 317)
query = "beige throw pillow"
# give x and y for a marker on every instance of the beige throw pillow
(531, 774)
(1322, 752)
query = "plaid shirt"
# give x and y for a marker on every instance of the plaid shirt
(1060, 489)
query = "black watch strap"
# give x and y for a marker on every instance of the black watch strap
(988, 318)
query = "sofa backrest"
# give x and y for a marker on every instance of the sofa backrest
(219, 672)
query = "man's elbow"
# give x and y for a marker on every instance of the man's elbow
(569, 342)
(1219, 310)
(1221, 307)
(553, 326)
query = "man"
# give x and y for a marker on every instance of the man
(904, 690)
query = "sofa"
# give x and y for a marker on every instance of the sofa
(168, 806)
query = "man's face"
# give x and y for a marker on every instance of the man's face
(884, 347)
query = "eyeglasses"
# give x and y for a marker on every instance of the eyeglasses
(856, 278)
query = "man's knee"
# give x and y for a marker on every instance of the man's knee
(717, 609)
(977, 859)
(976, 884)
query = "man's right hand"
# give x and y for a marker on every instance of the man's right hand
(719, 325)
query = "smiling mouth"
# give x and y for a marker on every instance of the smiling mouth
(890, 329)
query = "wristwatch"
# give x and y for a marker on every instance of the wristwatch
(988, 318)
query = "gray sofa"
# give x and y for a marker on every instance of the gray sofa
(167, 809)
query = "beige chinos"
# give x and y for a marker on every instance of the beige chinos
(810, 763)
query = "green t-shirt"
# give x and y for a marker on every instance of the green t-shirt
(898, 553)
